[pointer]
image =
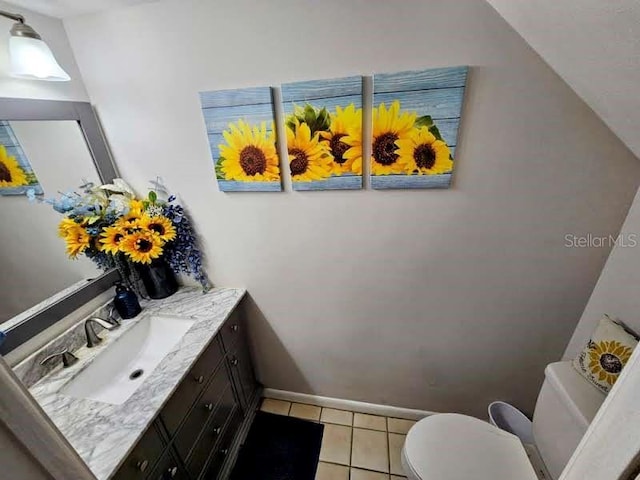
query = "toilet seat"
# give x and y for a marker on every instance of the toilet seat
(453, 447)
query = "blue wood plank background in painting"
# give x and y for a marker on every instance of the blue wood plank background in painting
(329, 94)
(436, 92)
(10, 141)
(221, 107)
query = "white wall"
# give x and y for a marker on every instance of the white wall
(35, 265)
(616, 293)
(52, 32)
(594, 46)
(439, 300)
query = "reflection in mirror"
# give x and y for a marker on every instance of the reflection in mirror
(53, 157)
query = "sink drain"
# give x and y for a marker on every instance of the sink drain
(135, 374)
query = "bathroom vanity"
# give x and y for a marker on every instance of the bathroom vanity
(185, 420)
(191, 436)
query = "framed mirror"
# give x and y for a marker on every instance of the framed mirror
(46, 148)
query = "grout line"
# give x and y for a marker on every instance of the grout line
(351, 453)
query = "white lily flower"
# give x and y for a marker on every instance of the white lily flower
(119, 186)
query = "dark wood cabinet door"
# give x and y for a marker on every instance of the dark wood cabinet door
(169, 468)
(212, 433)
(232, 330)
(242, 373)
(143, 457)
(221, 450)
(191, 386)
(201, 412)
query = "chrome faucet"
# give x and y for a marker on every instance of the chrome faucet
(68, 359)
(92, 337)
(111, 318)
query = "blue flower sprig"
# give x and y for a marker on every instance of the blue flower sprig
(183, 253)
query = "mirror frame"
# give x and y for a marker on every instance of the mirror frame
(15, 109)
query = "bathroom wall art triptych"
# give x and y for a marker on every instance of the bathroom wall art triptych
(411, 143)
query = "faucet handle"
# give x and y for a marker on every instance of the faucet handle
(111, 318)
(68, 359)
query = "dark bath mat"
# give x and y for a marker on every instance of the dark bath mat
(279, 448)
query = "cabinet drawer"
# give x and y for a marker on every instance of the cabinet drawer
(180, 402)
(212, 433)
(168, 468)
(221, 450)
(202, 410)
(143, 457)
(232, 330)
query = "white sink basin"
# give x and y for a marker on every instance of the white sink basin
(116, 373)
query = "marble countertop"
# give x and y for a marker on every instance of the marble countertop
(103, 434)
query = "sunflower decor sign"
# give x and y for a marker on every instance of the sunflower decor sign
(415, 127)
(16, 174)
(242, 139)
(323, 124)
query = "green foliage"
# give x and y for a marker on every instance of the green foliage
(318, 120)
(153, 197)
(218, 169)
(427, 121)
(436, 133)
(31, 178)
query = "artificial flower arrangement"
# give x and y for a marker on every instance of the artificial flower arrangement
(116, 229)
(322, 144)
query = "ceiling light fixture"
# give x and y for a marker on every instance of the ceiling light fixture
(30, 57)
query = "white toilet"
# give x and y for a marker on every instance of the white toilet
(454, 447)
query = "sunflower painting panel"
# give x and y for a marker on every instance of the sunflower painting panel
(323, 124)
(415, 127)
(16, 174)
(242, 138)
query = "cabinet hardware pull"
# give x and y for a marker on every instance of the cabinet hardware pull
(173, 471)
(209, 406)
(216, 431)
(199, 379)
(234, 328)
(142, 466)
(234, 361)
(224, 451)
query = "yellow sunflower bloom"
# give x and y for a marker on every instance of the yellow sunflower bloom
(11, 173)
(142, 246)
(389, 126)
(423, 153)
(65, 225)
(136, 208)
(343, 122)
(161, 226)
(110, 239)
(308, 158)
(250, 153)
(606, 360)
(128, 223)
(77, 240)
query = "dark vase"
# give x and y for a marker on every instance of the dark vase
(158, 279)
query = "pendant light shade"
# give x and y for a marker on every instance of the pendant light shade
(30, 57)
(33, 59)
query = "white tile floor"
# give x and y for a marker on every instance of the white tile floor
(355, 446)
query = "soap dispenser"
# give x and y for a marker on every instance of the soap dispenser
(126, 302)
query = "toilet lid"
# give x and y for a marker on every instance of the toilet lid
(453, 447)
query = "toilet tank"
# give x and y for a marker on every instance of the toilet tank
(566, 405)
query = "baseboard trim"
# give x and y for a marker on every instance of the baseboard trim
(352, 405)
